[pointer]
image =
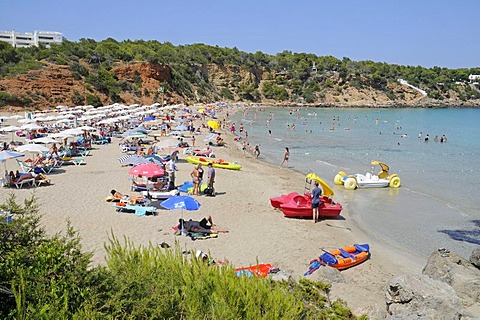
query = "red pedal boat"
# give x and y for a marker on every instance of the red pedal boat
(295, 205)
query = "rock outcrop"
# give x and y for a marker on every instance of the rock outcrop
(449, 288)
(421, 297)
(475, 258)
(457, 272)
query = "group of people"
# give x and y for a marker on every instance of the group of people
(12, 178)
(442, 139)
(197, 179)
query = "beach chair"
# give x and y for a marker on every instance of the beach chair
(39, 182)
(48, 168)
(25, 166)
(74, 161)
(30, 182)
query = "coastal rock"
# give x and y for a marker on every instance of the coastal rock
(328, 275)
(457, 272)
(281, 275)
(421, 297)
(475, 257)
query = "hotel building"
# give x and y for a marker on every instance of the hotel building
(28, 39)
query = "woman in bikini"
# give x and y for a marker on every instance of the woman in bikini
(195, 180)
(286, 155)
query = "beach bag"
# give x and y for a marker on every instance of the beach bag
(208, 191)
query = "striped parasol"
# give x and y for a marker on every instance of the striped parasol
(132, 159)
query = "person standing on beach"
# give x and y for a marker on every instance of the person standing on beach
(316, 194)
(171, 169)
(286, 156)
(195, 180)
(200, 177)
(211, 177)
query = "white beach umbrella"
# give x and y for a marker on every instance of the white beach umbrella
(44, 140)
(26, 120)
(73, 131)
(87, 128)
(32, 148)
(61, 135)
(10, 129)
(31, 126)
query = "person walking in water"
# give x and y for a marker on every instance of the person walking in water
(286, 155)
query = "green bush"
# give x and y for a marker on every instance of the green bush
(227, 94)
(93, 100)
(273, 91)
(47, 277)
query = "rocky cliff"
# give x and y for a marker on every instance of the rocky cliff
(140, 82)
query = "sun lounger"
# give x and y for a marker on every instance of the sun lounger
(39, 182)
(25, 166)
(20, 184)
(203, 153)
(160, 194)
(74, 161)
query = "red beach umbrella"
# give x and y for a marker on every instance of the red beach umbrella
(148, 170)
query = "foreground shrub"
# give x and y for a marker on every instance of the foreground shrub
(47, 277)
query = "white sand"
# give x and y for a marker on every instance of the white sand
(257, 231)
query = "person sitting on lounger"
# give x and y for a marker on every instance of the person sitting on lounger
(205, 225)
(39, 175)
(20, 177)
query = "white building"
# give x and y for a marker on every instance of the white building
(474, 77)
(28, 39)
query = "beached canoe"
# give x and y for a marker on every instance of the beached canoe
(341, 258)
(216, 163)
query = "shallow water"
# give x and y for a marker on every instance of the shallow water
(438, 204)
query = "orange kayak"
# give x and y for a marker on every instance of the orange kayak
(341, 258)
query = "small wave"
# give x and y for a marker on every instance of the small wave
(278, 139)
(326, 163)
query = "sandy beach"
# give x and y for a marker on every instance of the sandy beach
(258, 233)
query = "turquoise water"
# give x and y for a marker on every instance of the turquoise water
(438, 204)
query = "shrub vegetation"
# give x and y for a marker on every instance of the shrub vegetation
(50, 277)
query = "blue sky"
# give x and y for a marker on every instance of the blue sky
(408, 32)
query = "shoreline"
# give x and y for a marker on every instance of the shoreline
(258, 233)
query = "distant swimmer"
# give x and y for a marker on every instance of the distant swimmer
(420, 135)
(404, 135)
(269, 133)
(427, 138)
(443, 138)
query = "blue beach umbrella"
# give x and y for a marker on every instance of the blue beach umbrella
(5, 155)
(181, 202)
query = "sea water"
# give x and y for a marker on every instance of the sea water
(438, 204)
